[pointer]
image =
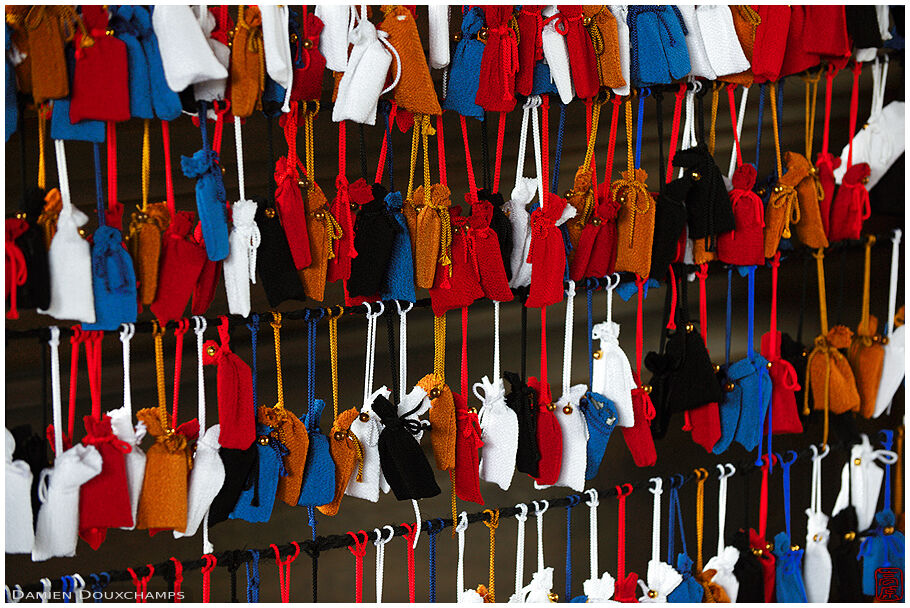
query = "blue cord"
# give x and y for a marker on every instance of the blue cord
(252, 578)
(560, 136)
(310, 362)
(67, 582)
(641, 114)
(785, 465)
(99, 187)
(432, 531)
(573, 500)
(311, 512)
(253, 326)
(203, 119)
(887, 442)
(590, 297)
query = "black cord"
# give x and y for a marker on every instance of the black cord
(390, 334)
(659, 99)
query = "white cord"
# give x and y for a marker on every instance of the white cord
(371, 349)
(62, 174)
(55, 390)
(815, 501)
(419, 523)
(403, 353)
(78, 586)
(657, 490)
(380, 558)
(538, 512)
(46, 590)
(127, 331)
(384, 39)
(459, 572)
(593, 503)
(612, 283)
(567, 342)
(522, 143)
(496, 364)
(538, 155)
(522, 517)
(739, 130)
(200, 326)
(892, 289)
(238, 143)
(726, 470)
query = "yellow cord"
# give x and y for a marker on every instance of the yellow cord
(43, 111)
(146, 163)
(628, 191)
(276, 330)
(780, 170)
(630, 155)
(595, 118)
(158, 333)
(415, 143)
(333, 349)
(492, 524)
(701, 475)
(308, 139)
(454, 502)
(811, 98)
(864, 320)
(712, 134)
(439, 348)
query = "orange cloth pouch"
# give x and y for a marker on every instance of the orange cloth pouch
(601, 26)
(635, 220)
(867, 354)
(583, 195)
(49, 28)
(442, 404)
(414, 92)
(810, 230)
(163, 502)
(745, 21)
(247, 62)
(783, 206)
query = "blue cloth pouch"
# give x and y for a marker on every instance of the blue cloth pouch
(272, 97)
(689, 591)
(61, 127)
(755, 392)
(881, 550)
(600, 417)
(210, 199)
(788, 571)
(12, 106)
(398, 283)
(318, 487)
(113, 281)
(464, 72)
(138, 70)
(165, 101)
(658, 45)
(542, 83)
(256, 501)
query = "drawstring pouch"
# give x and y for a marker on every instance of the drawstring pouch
(208, 474)
(539, 590)
(113, 276)
(817, 559)
(582, 56)
(722, 47)
(181, 264)
(186, 54)
(582, 197)
(797, 54)
(612, 375)
(61, 126)
(788, 577)
(620, 12)
(826, 32)
(20, 535)
(704, 421)
(556, 52)
(866, 353)
(288, 197)
(100, 80)
(463, 284)
(600, 413)
(861, 482)
(163, 502)
(549, 433)
(658, 45)
(709, 207)
(46, 30)
(415, 91)
(308, 60)
(826, 162)
(463, 80)
(404, 465)
(893, 341)
(521, 196)
(432, 232)
(69, 258)
(499, 63)
(850, 207)
(760, 547)
(662, 578)
(530, 50)
(783, 209)
(689, 590)
(276, 43)
(374, 237)
(637, 428)
(603, 29)
(333, 43)
(745, 22)
(247, 65)
(724, 562)
(319, 474)
(770, 43)
(484, 246)
(695, 44)
(57, 524)
(216, 25)
(752, 384)
(398, 283)
(468, 440)
(784, 380)
(245, 238)
(236, 414)
(339, 266)
(104, 500)
(523, 401)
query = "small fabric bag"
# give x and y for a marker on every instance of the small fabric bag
(467, 443)
(688, 590)
(549, 435)
(892, 362)
(484, 248)
(718, 34)
(346, 452)
(582, 57)
(770, 43)
(636, 429)
(603, 29)
(530, 49)
(788, 576)
(185, 52)
(100, 78)
(182, 262)
(398, 283)
(240, 265)
(235, 389)
(547, 253)
(707, 203)
(61, 125)
(241, 463)
(277, 272)
(523, 401)
(817, 559)
(48, 29)
(499, 63)
(247, 65)
(366, 428)
(462, 287)
(635, 220)
(318, 487)
(308, 60)
(404, 465)
(556, 52)
(277, 50)
(621, 13)
(415, 91)
(600, 413)
(374, 235)
(333, 43)
(698, 54)
(745, 21)
(123, 429)
(138, 70)
(498, 431)
(20, 532)
(27, 271)
(659, 53)
(522, 194)
(866, 353)
(257, 499)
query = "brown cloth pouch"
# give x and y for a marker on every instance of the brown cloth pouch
(700, 254)
(442, 421)
(826, 360)
(293, 434)
(49, 214)
(601, 25)
(163, 502)
(782, 209)
(144, 244)
(48, 29)
(415, 91)
(809, 230)
(745, 20)
(15, 18)
(867, 353)
(347, 456)
(634, 223)
(434, 234)
(247, 62)
(581, 196)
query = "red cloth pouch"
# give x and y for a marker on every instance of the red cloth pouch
(236, 413)
(499, 63)
(744, 245)
(309, 63)
(798, 57)
(467, 461)
(582, 60)
(288, 197)
(850, 206)
(770, 41)
(547, 254)
(825, 30)
(182, 261)
(638, 437)
(464, 284)
(483, 244)
(549, 435)
(530, 46)
(101, 89)
(104, 500)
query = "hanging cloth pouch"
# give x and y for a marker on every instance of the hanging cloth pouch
(374, 235)
(719, 34)
(866, 354)
(138, 69)
(556, 52)
(797, 55)
(689, 590)
(745, 22)
(850, 207)
(760, 547)
(211, 197)
(658, 45)
(603, 30)
(846, 572)
(783, 209)
(752, 383)
(61, 126)
(602, 257)
(637, 431)
(499, 63)
(339, 266)
(20, 535)
(414, 91)
(788, 577)
(600, 412)
(185, 53)
(163, 503)
(235, 390)
(433, 238)
(113, 276)
(530, 51)
(404, 465)
(695, 43)
(708, 205)
(770, 43)
(216, 25)
(240, 265)
(826, 163)
(582, 197)
(100, 80)
(182, 261)
(522, 194)
(48, 29)
(582, 54)
(466, 477)
(463, 286)
(549, 434)
(635, 220)
(464, 72)
(893, 341)
(784, 381)
(817, 559)
(69, 258)
(309, 62)
(247, 72)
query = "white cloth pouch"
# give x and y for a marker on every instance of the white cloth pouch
(574, 440)
(206, 480)
(185, 53)
(333, 42)
(612, 372)
(367, 434)
(365, 76)
(240, 265)
(499, 432)
(211, 90)
(698, 55)
(721, 44)
(440, 49)
(817, 558)
(556, 54)
(122, 426)
(625, 58)
(20, 533)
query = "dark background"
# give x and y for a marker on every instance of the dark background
(676, 453)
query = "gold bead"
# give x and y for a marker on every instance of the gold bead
(109, 32)
(695, 175)
(598, 354)
(434, 393)
(884, 339)
(804, 354)
(647, 388)
(849, 536)
(211, 350)
(690, 327)
(303, 182)
(586, 21)
(418, 208)
(457, 37)
(307, 44)
(757, 552)
(761, 192)
(82, 232)
(483, 34)
(319, 215)
(270, 212)
(817, 538)
(794, 547)
(769, 365)
(354, 206)
(729, 386)
(553, 597)
(20, 216)
(508, 212)
(263, 440)
(223, 170)
(597, 221)
(338, 436)
(364, 417)
(293, 38)
(622, 199)
(652, 593)
(551, 406)
(472, 410)
(865, 180)
(813, 171)
(567, 410)
(769, 547)
(717, 368)
(778, 189)
(889, 530)
(857, 461)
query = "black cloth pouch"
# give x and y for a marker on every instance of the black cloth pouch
(374, 237)
(403, 462)
(523, 401)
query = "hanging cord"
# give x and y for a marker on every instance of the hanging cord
(573, 501)
(811, 80)
(854, 108)
(142, 583)
(44, 111)
(276, 332)
(522, 517)
(380, 544)
(409, 537)
(726, 471)
(432, 532)
(560, 136)
(657, 490)
(821, 343)
(887, 439)
(567, 341)
(492, 523)
(210, 562)
(485, 151)
(252, 576)
(621, 494)
(358, 551)
(183, 325)
(177, 580)
(736, 156)
(789, 198)
(701, 477)
(785, 466)
(593, 502)
(500, 138)
(459, 569)
(284, 571)
(538, 513)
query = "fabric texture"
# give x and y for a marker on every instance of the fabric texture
(414, 91)
(398, 283)
(113, 281)
(722, 46)
(318, 487)
(247, 65)
(104, 500)
(185, 54)
(277, 271)
(601, 418)
(100, 78)
(499, 63)
(123, 429)
(364, 77)
(240, 264)
(556, 54)
(374, 238)
(467, 443)
(404, 465)
(549, 435)
(256, 500)
(522, 400)
(182, 260)
(613, 374)
(205, 481)
(240, 463)
(344, 453)
(498, 431)
(365, 483)
(574, 432)
(20, 532)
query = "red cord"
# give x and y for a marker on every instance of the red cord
(671, 321)
(500, 137)
(854, 108)
(111, 165)
(210, 562)
(93, 362)
(219, 124)
(621, 494)
(775, 344)
(829, 81)
(545, 147)
(284, 571)
(342, 147)
(732, 100)
(472, 184)
(178, 580)
(358, 551)
(639, 282)
(288, 122)
(385, 143)
(441, 150)
(413, 530)
(141, 583)
(183, 325)
(763, 501)
(464, 352)
(702, 274)
(168, 175)
(78, 338)
(674, 132)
